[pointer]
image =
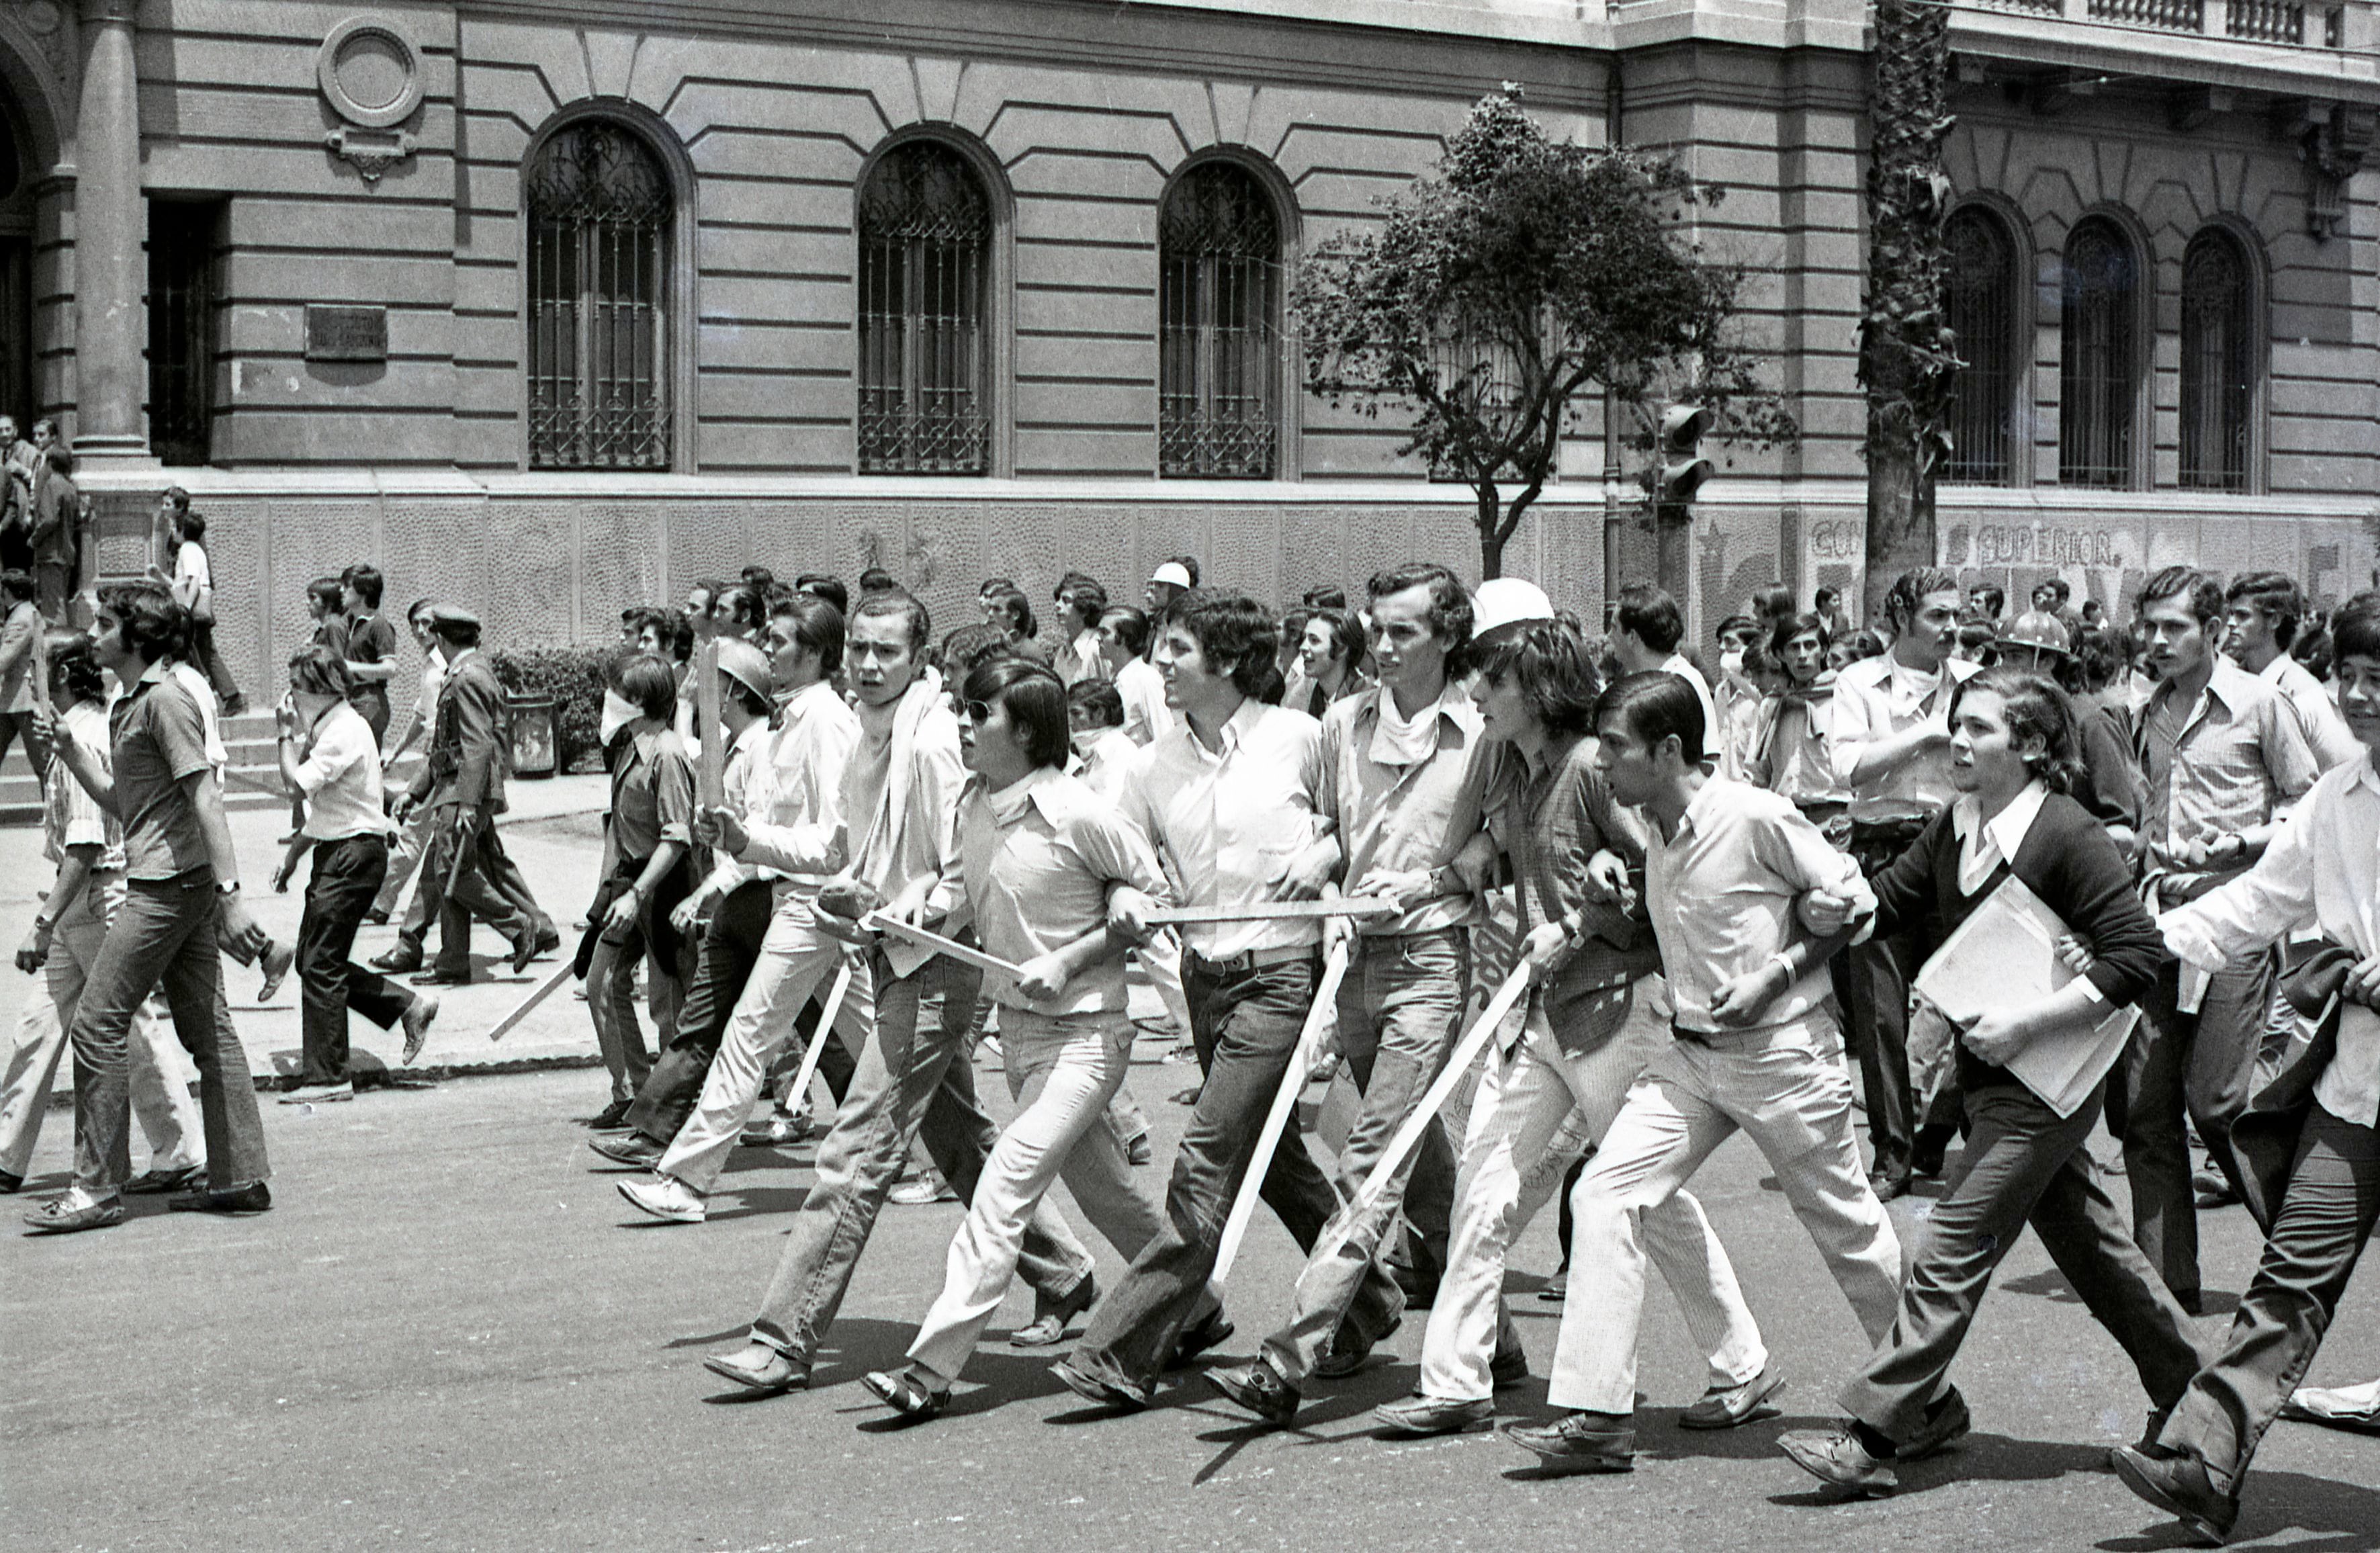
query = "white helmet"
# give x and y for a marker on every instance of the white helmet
(1508, 601)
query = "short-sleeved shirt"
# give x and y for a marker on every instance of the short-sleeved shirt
(341, 778)
(70, 816)
(158, 741)
(2215, 766)
(1398, 814)
(371, 640)
(191, 564)
(652, 794)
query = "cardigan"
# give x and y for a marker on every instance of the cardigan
(2067, 859)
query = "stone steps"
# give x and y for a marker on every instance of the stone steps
(254, 780)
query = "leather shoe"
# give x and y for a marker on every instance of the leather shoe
(443, 978)
(610, 1118)
(254, 1197)
(777, 1131)
(155, 1182)
(524, 950)
(639, 1153)
(55, 1217)
(2177, 1485)
(1724, 1407)
(1888, 1183)
(274, 964)
(2213, 1189)
(1836, 1458)
(756, 1366)
(11, 1183)
(906, 1395)
(376, 918)
(1349, 1349)
(1048, 1327)
(416, 1019)
(1091, 1389)
(1195, 1341)
(1259, 1388)
(396, 963)
(1580, 1442)
(1419, 1416)
(548, 942)
(1947, 1422)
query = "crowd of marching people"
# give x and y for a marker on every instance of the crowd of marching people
(1568, 905)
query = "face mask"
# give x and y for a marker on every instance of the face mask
(1731, 664)
(618, 712)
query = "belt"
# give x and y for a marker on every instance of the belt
(1253, 960)
(1416, 933)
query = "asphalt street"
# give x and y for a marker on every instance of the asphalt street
(451, 1333)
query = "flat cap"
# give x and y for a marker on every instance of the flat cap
(452, 614)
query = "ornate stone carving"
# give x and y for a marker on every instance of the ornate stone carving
(369, 152)
(371, 75)
(2332, 140)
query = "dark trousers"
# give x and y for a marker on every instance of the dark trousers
(465, 889)
(164, 933)
(2022, 1164)
(17, 725)
(348, 874)
(1876, 1021)
(430, 894)
(1246, 1024)
(209, 662)
(2199, 1064)
(2326, 1219)
(730, 945)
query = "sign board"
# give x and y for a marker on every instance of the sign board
(346, 334)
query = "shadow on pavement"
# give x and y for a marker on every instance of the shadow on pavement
(2324, 1515)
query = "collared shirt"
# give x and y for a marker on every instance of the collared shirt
(340, 776)
(2322, 870)
(70, 816)
(202, 696)
(1080, 658)
(1407, 815)
(907, 833)
(1142, 688)
(1714, 734)
(652, 794)
(22, 630)
(1038, 878)
(2226, 762)
(1793, 749)
(1228, 823)
(797, 830)
(738, 783)
(158, 742)
(1107, 762)
(1881, 696)
(2326, 732)
(1721, 892)
(1984, 845)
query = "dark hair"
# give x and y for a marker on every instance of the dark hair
(2057, 585)
(1188, 563)
(1801, 625)
(1651, 615)
(2315, 650)
(325, 592)
(1098, 699)
(876, 579)
(908, 606)
(711, 588)
(194, 525)
(415, 610)
(817, 627)
(1449, 606)
(1825, 596)
(646, 680)
(1067, 582)
(1326, 596)
(2099, 656)
(827, 586)
(320, 670)
(2036, 707)
(673, 629)
(172, 495)
(1346, 633)
(153, 624)
(1994, 597)
(1231, 628)
(990, 585)
(1865, 644)
(2202, 593)
(1743, 623)
(2355, 628)
(1977, 633)
(1012, 602)
(2277, 596)
(1035, 701)
(970, 646)
(60, 457)
(1909, 588)
(18, 584)
(1085, 600)
(1131, 628)
(1772, 603)
(75, 674)
(366, 580)
(1550, 663)
(1653, 705)
(757, 577)
(747, 606)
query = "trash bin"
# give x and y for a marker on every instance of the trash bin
(536, 739)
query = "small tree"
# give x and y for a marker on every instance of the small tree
(1497, 292)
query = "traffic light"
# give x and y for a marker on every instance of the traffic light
(1683, 468)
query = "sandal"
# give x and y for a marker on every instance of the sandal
(906, 1395)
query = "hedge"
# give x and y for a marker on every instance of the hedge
(573, 676)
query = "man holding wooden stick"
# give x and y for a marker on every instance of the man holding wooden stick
(1403, 768)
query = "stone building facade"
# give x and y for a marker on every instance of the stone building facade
(554, 306)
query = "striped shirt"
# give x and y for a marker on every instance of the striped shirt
(2225, 763)
(1880, 696)
(70, 816)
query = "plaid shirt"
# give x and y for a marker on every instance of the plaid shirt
(2229, 762)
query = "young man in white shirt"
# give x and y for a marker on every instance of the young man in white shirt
(1123, 645)
(2321, 870)
(2261, 612)
(1740, 888)
(1645, 631)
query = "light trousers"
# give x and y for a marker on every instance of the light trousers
(1062, 1070)
(795, 960)
(160, 1070)
(1787, 1086)
(1537, 1109)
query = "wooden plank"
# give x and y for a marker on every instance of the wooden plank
(1273, 910)
(966, 955)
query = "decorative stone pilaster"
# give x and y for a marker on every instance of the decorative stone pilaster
(110, 324)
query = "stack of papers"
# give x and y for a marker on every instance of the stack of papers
(2005, 957)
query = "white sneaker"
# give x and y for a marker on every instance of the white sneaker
(665, 1197)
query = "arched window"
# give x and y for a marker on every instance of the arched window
(1981, 296)
(1219, 267)
(600, 213)
(925, 260)
(2099, 372)
(2218, 371)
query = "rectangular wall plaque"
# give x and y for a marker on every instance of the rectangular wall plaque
(343, 333)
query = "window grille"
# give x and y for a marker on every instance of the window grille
(182, 287)
(1218, 256)
(925, 252)
(2217, 364)
(1981, 298)
(2099, 371)
(600, 213)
